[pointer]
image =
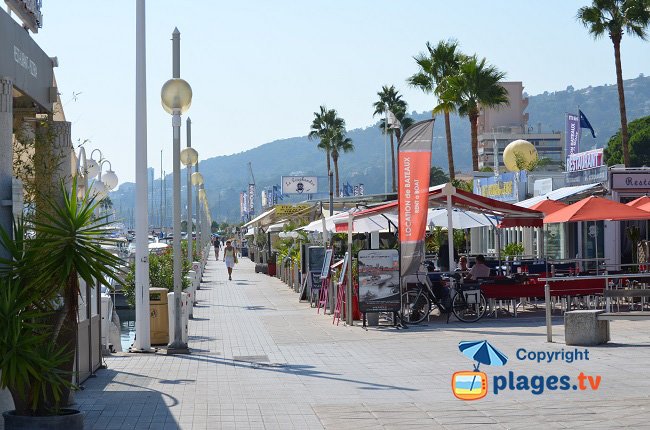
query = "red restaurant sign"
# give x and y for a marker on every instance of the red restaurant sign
(585, 160)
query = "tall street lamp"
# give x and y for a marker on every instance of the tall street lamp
(176, 96)
(197, 181)
(189, 157)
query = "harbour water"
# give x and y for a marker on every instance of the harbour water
(127, 327)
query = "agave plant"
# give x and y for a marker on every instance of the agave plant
(39, 297)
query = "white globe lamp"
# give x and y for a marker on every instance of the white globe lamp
(521, 151)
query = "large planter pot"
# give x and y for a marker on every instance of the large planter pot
(70, 419)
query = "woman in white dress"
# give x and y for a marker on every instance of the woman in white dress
(230, 257)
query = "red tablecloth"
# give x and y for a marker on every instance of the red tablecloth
(506, 288)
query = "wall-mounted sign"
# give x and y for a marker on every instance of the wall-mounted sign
(286, 210)
(507, 187)
(379, 289)
(589, 176)
(22, 60)
(542, 186)
(299, 184)
(633, 181)
(585, 160)
(29, 12)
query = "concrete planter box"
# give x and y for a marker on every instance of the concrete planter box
(582, 328)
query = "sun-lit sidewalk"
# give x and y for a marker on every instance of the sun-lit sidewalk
(262, 360)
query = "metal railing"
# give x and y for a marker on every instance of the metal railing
(605, 277)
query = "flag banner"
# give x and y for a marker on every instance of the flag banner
(393, 122)
(584, 123)
(360, 189)
(414, 164)
(276, 194)
(243, 200)
(572, 135)
(251, 199)
(265, 201)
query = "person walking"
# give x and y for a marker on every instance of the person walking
(230, 257)
(217, 247)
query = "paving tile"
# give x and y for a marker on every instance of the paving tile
(263, 360)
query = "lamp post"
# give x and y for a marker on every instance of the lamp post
(142, 341)
(176, 96)
(189, 157)
(197, 180)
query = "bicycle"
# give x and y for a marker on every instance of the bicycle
(468, 303)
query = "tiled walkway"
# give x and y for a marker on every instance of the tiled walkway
(262, 360)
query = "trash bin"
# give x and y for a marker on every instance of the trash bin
(159, 316)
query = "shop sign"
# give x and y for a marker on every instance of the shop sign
(299, 184)
(379, 289)
(589, 176)
(25, 63)
(636, 181)
(287, 210)
(505, 187)
(585, 160)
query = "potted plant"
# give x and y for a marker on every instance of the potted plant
(39, 293)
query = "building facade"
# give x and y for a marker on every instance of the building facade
(497, 127)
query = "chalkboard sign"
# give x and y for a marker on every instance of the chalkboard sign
(316, 257)
(344, 268)
(325, 270)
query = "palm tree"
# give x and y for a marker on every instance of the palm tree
(614, 17)
(441, 62)
(325, 124)
(390, 98)
(405, 122)
(340, 143)
(476, 86)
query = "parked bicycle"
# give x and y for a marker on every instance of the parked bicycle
(467, 303)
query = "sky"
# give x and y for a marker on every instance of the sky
(259, 68)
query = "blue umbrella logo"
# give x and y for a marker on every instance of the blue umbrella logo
(483, 353)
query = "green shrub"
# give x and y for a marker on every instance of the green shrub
(161, 274)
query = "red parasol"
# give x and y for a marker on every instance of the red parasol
(548, 206)
(637, 203)
(597, 209)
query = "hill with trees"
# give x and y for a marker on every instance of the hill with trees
(227, 176)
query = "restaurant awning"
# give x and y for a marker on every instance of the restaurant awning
(560, 194)
(508, 214)
(258, 219)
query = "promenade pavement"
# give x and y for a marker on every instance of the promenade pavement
(262, 360)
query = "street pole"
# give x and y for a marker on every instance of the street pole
(331, 178)
(199, 233)
(177, 345)
(190, 254)
(386, 151)
(348, 287)
(142, 338)
(160, 214)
